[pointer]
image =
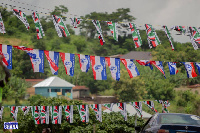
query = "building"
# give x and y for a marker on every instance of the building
(80, 92)
(53, 87)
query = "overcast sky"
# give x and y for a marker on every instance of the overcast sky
(155, 12)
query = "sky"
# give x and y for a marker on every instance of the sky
(154, 12)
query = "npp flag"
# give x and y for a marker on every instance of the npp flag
(158, 64)
(14, 111)
(84, 61)
(69, 62)
(130, 67)
(6, 53)
(56, 114)
(135, 35)
(168, 36)
(150, 104)
(180, 29)
(152, 37)
(189, 66)
(145, 63)
(25, 109)
(98, 112)
(194, 37)
(198, 66)
(113, 29)
(2, 28)
(60, 26)
(22, 16)
(122, 107)
(172, 68)
(38, 26)
(1, 112)
(68, 113)
(98, 67)
(44, 114)
(75, 21)
(84, 112)
(114, 65)
(109, 106)
(36, 114)
(99, 31)
(138, 107)
(53, 59)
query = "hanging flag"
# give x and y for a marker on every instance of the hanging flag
(36, 114)
(150, 104)
(160, 101)
(135, 35)
(44, 114)
(6, 53)
(145, 63)
(53, 59)
(75, 21)
(84, 112)
(98, 67)
(168, 36)
(130, 67)
(189, 66)
(194, 37)
(113, 29)
(14, 111)
(138, 107)
(122, 107)
(164, 109)
(158, 64)
(172, 68)
(38, 26)
(99, 31)
(1, 112)
(84, 61)
(97, 110)
(56, 114)
(2, 28)
(114, 65)
(198, 66)
(22, 16)
(109, 106)
(166, 103)
(152, 37)
(180, 29)
(69, 63)
(68, 113)
(25, 109)
(60, 26)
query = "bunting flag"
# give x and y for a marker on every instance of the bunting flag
(122, 107)
(99, 31)
(165, 110)
(168, 36)
(60, 26)
(172, 68)
(2, 28)
(97, 109)
(109, 106)
(138, 107)
(84, 112)
(6, 53)
(158, 64)
(189, 66)
(98, 67)
(22, 16)
(152, 37)
(114, 65)
(145, 63)
(150, 104)
(75, 21)
(14, 111)
(68, 113)
(135, 35)
(56, 114)
(36, 114)
(25, 109)
(113, 29)
(44, 114)
(160, 101)
(194, 37)
(198, 66)
(1, 112)
(180, 29)
(84, 61)
(38, 26)
(166, 103)
(130, 67)
(53, 59)
(69, 63)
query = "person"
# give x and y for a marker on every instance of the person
(46, 130)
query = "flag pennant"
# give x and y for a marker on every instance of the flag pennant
(180, 29)
(69, 63)
(56, 114)
(198, 66)
(152, 37)
(130, 67)
(38, 26)
(150, 104)
(14, 111)
(168, 36)
(164, 109)
(122, 107)
(6, 53)
(113, 29)
(84, 112)
(53, 59)
(114, 65)
(22, 16)
(138, 107)
(135, 35)
(68, 113)
(2, 27)
(158, 64)
(189, 66)
(44, 114)
(60, 26)
(109, 106)
(194, 37)
(99, 31)
(1, 112)
(98, 111)
(98, 67)
(172, 68)
(84, 61)
(75, 22)
(36, 114)
(25, 109)
(145, 63)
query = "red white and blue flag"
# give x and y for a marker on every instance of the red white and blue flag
(6, 53)
(131, 67)
(37, 60)
(158, 64)
(84, 61)
(98, 67)
(189, 66)
(114, 65)
(198, 66)
(145, 63)
(69, 63)
(172, 68)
